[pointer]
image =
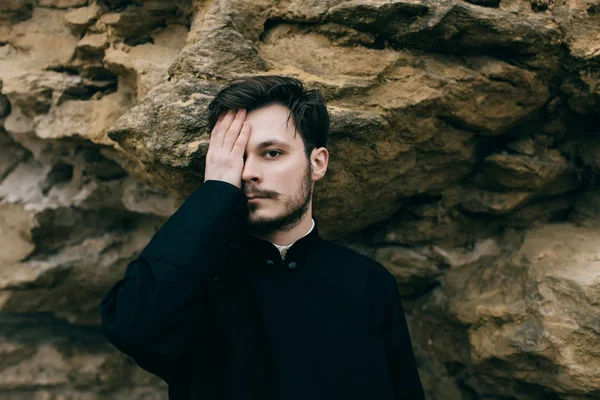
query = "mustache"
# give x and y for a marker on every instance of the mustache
(256, 194)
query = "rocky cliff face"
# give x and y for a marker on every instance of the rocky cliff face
(464, 145)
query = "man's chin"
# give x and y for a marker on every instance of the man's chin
(257, 222)
(261, 220)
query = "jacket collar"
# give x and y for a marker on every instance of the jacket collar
(258, 252)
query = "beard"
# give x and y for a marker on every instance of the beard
(294, 209)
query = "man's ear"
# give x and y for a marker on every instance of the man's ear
(319, 161)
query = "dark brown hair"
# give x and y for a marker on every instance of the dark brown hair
(306, 106)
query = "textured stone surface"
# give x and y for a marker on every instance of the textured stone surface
(43, 358)
(529, 313)
(464, 157)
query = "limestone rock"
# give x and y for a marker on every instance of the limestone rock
(586, 211)
(419, 84)
(93, 45)
(12, 155)
(16, 236)
(16, 10)
(414, 272)
(43, 42)
(90, 120)
(486, 202)
(166, 105)
(136, 23)
(464, 158)
(146, 200)
(525, 146)
(69, 283)
(66, 362)
(521, 172)
(145, 66)
(220, 51)
(80, 18)
(438, 26)
(520, 329)
(63, 3)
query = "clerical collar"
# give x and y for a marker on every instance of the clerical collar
(257, 250)
(283, 249)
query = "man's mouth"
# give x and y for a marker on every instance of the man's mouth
(256, 199)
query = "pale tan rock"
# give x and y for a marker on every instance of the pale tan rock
(62, 3)
(81, 18)
(523, 172)
(15, 236)
(134, 25)
(516, 315)
(13, 352)
(460, 257)
(219, 51)
(145, 66)
(483, 201)
(413, 271)
(13, 189)
(280, 47)
(44, 41)
(5, 29)
(62, 284)
(32, 92)
(93, 44)
(459, 134)
(179, 98)
(11, 155)
(143, 199)
(89, 119)
(91, 368)
(505, 96)
(45, 368)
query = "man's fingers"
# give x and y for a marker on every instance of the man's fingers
(234, 130)
(224, 159)
(220, 119)
(220, 129)
(242, 141)
(213, 139)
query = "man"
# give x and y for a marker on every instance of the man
(237, 297)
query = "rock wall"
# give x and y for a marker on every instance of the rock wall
(464, 145)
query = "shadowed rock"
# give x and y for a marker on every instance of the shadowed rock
(464, 158)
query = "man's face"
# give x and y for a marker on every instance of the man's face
(279, 171)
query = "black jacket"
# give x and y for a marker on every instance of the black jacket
(217, 313)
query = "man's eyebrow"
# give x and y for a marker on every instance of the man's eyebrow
(269, 143)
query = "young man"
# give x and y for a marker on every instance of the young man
(237, 297)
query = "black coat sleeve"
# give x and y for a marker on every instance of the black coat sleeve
(151, 313)
(398, 346)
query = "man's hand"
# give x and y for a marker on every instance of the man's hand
(225, 156)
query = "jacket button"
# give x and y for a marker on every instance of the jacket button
(292, 265)
(270, 262)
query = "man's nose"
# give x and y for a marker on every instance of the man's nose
(251, 170)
